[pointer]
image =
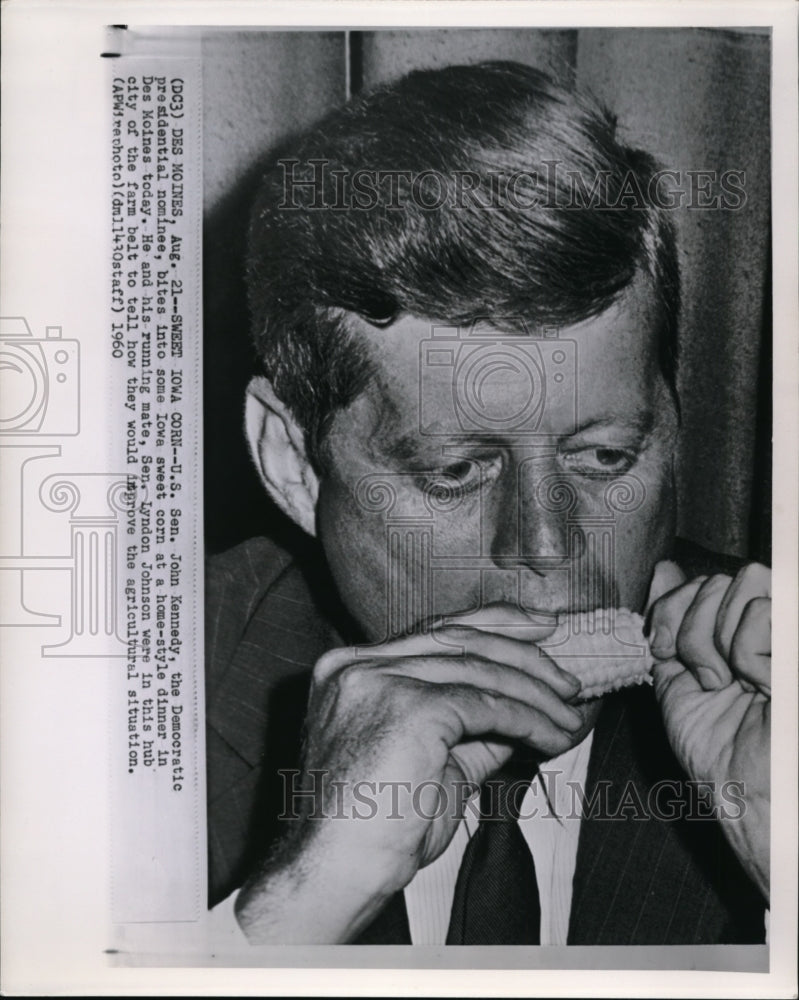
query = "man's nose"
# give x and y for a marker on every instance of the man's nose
(533, 529)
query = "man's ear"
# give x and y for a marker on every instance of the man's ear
(277, 446)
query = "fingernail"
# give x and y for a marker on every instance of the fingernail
(708, 678)
(662, 641)
(575, 721)
(572, 682)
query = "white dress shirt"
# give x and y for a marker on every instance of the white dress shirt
(549, 818)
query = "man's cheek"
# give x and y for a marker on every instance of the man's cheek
(642, 538)
(372, 564)
(391, 581)
(356, 553)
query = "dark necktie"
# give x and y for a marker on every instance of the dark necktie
(496, 894)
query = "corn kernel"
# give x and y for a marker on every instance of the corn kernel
(604, 649)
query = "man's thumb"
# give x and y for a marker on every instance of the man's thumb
(666, 577)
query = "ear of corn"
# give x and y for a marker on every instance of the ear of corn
(605, 650)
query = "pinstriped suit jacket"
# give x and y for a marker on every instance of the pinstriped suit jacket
(638, 880)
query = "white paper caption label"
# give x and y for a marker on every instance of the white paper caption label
(155, 342)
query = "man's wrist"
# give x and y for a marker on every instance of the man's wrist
(310, 899)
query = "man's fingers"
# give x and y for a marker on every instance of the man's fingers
(489, 676)
(505, 619)
(754, 580)
(669, 675)
(457, 641)
(667, 576)
(477, 759)
(471, 713)
(750, 650)
(695, 645)
(523, 656)
(666, 618)
(683, 625)
(709, 626)
(415, 644)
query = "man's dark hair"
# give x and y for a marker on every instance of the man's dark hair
(545, 219)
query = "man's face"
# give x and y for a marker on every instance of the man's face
(481, 467)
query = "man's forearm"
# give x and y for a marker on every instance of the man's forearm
(308, 900)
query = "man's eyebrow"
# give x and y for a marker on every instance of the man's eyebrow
(386, 444)
(642, 423)
(383, 441)
(398, 448)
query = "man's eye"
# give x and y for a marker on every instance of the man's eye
(601, 461)
(460, 477)
(463, 471)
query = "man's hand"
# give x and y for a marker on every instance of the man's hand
(712, 638)
(427, 716)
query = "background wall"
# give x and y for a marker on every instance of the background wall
(259, 88)
(696, 98)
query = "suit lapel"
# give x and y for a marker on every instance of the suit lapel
(255, 724)
(642, 878)
(283, 640)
